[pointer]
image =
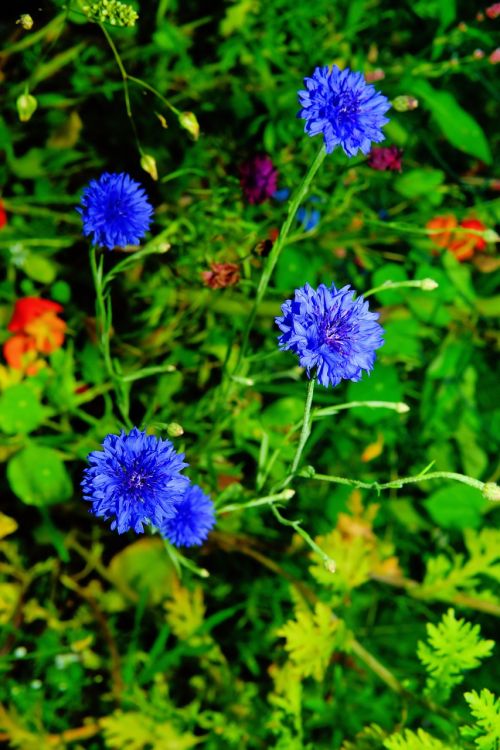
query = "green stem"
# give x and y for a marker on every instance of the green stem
(154, 91)
(327, 561)
(280, 496)
(275, 253)
(103, 329)
(426, 285)
(396, 483)
(304, 433)
(102, 322)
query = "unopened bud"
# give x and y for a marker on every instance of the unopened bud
(148, 163)
(330, 565)
(491, 236)
(428, 285)
(25, 21)
(491, 491)
(174, 429)
(26, 105)
(402, 408)
(287, 494)
(404, 103)
(188, 121)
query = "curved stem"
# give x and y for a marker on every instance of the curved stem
(396, 483)
(304, 433)
(275, 253)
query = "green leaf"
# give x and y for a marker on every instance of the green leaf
(456, 506)
(421, 183)
(145, 567)
(457, 125)
(453, 647)
(20, 410)
(485, 708)
(39, 268)
(38, 476)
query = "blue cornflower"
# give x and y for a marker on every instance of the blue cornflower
(194, 518)
(331, 331)
(347, 110)
(115, 211)
(135, 479)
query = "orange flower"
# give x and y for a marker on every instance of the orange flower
(447, 224)
(37, 329)
(468, 243)
(463, 245)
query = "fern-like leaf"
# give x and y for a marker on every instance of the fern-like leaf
(311, 640)
(418, 740)
(485, 708)
(453, 647)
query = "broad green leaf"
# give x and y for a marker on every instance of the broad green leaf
(145, 567)
(456, 506)
(39, 477)
(457, 125)
(421, 183)
(20, 410)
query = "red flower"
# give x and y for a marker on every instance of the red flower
(493, 11)
(463, 245)
(3, 216)
(37, 329)
(221, 275)
(386, 158)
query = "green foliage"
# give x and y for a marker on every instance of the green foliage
(115, 641)
(312, 638)
(453, 647)
(419, 740)
(485, 709)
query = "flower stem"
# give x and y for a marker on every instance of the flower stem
(293, 206)
(103, 329)
(304, 433)
(396, 483)
(426, 285)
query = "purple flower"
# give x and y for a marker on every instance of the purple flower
(115, 211)
(386, 158)
(135, 479)
(331, 331)
(344, 108)
(194, 518)
(258, 179)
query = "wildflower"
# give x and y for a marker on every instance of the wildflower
(37, 329)
(462, 244)
(308, 217)
(386, 158)
(258, 179)
(135, 479)
(466, 244)
(493, 11)
(194, 518)
(111, 11)
(371, 76)
(494, 58)
(25, 21)
(344, 108)
(330, 330)
(447, 223)
(3, 216)
(115, 211)
(404, 103)
(221, 275)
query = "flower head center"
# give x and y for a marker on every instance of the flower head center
(135, 480)
(336, 331)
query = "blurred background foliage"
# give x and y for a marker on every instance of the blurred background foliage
(101, 644)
